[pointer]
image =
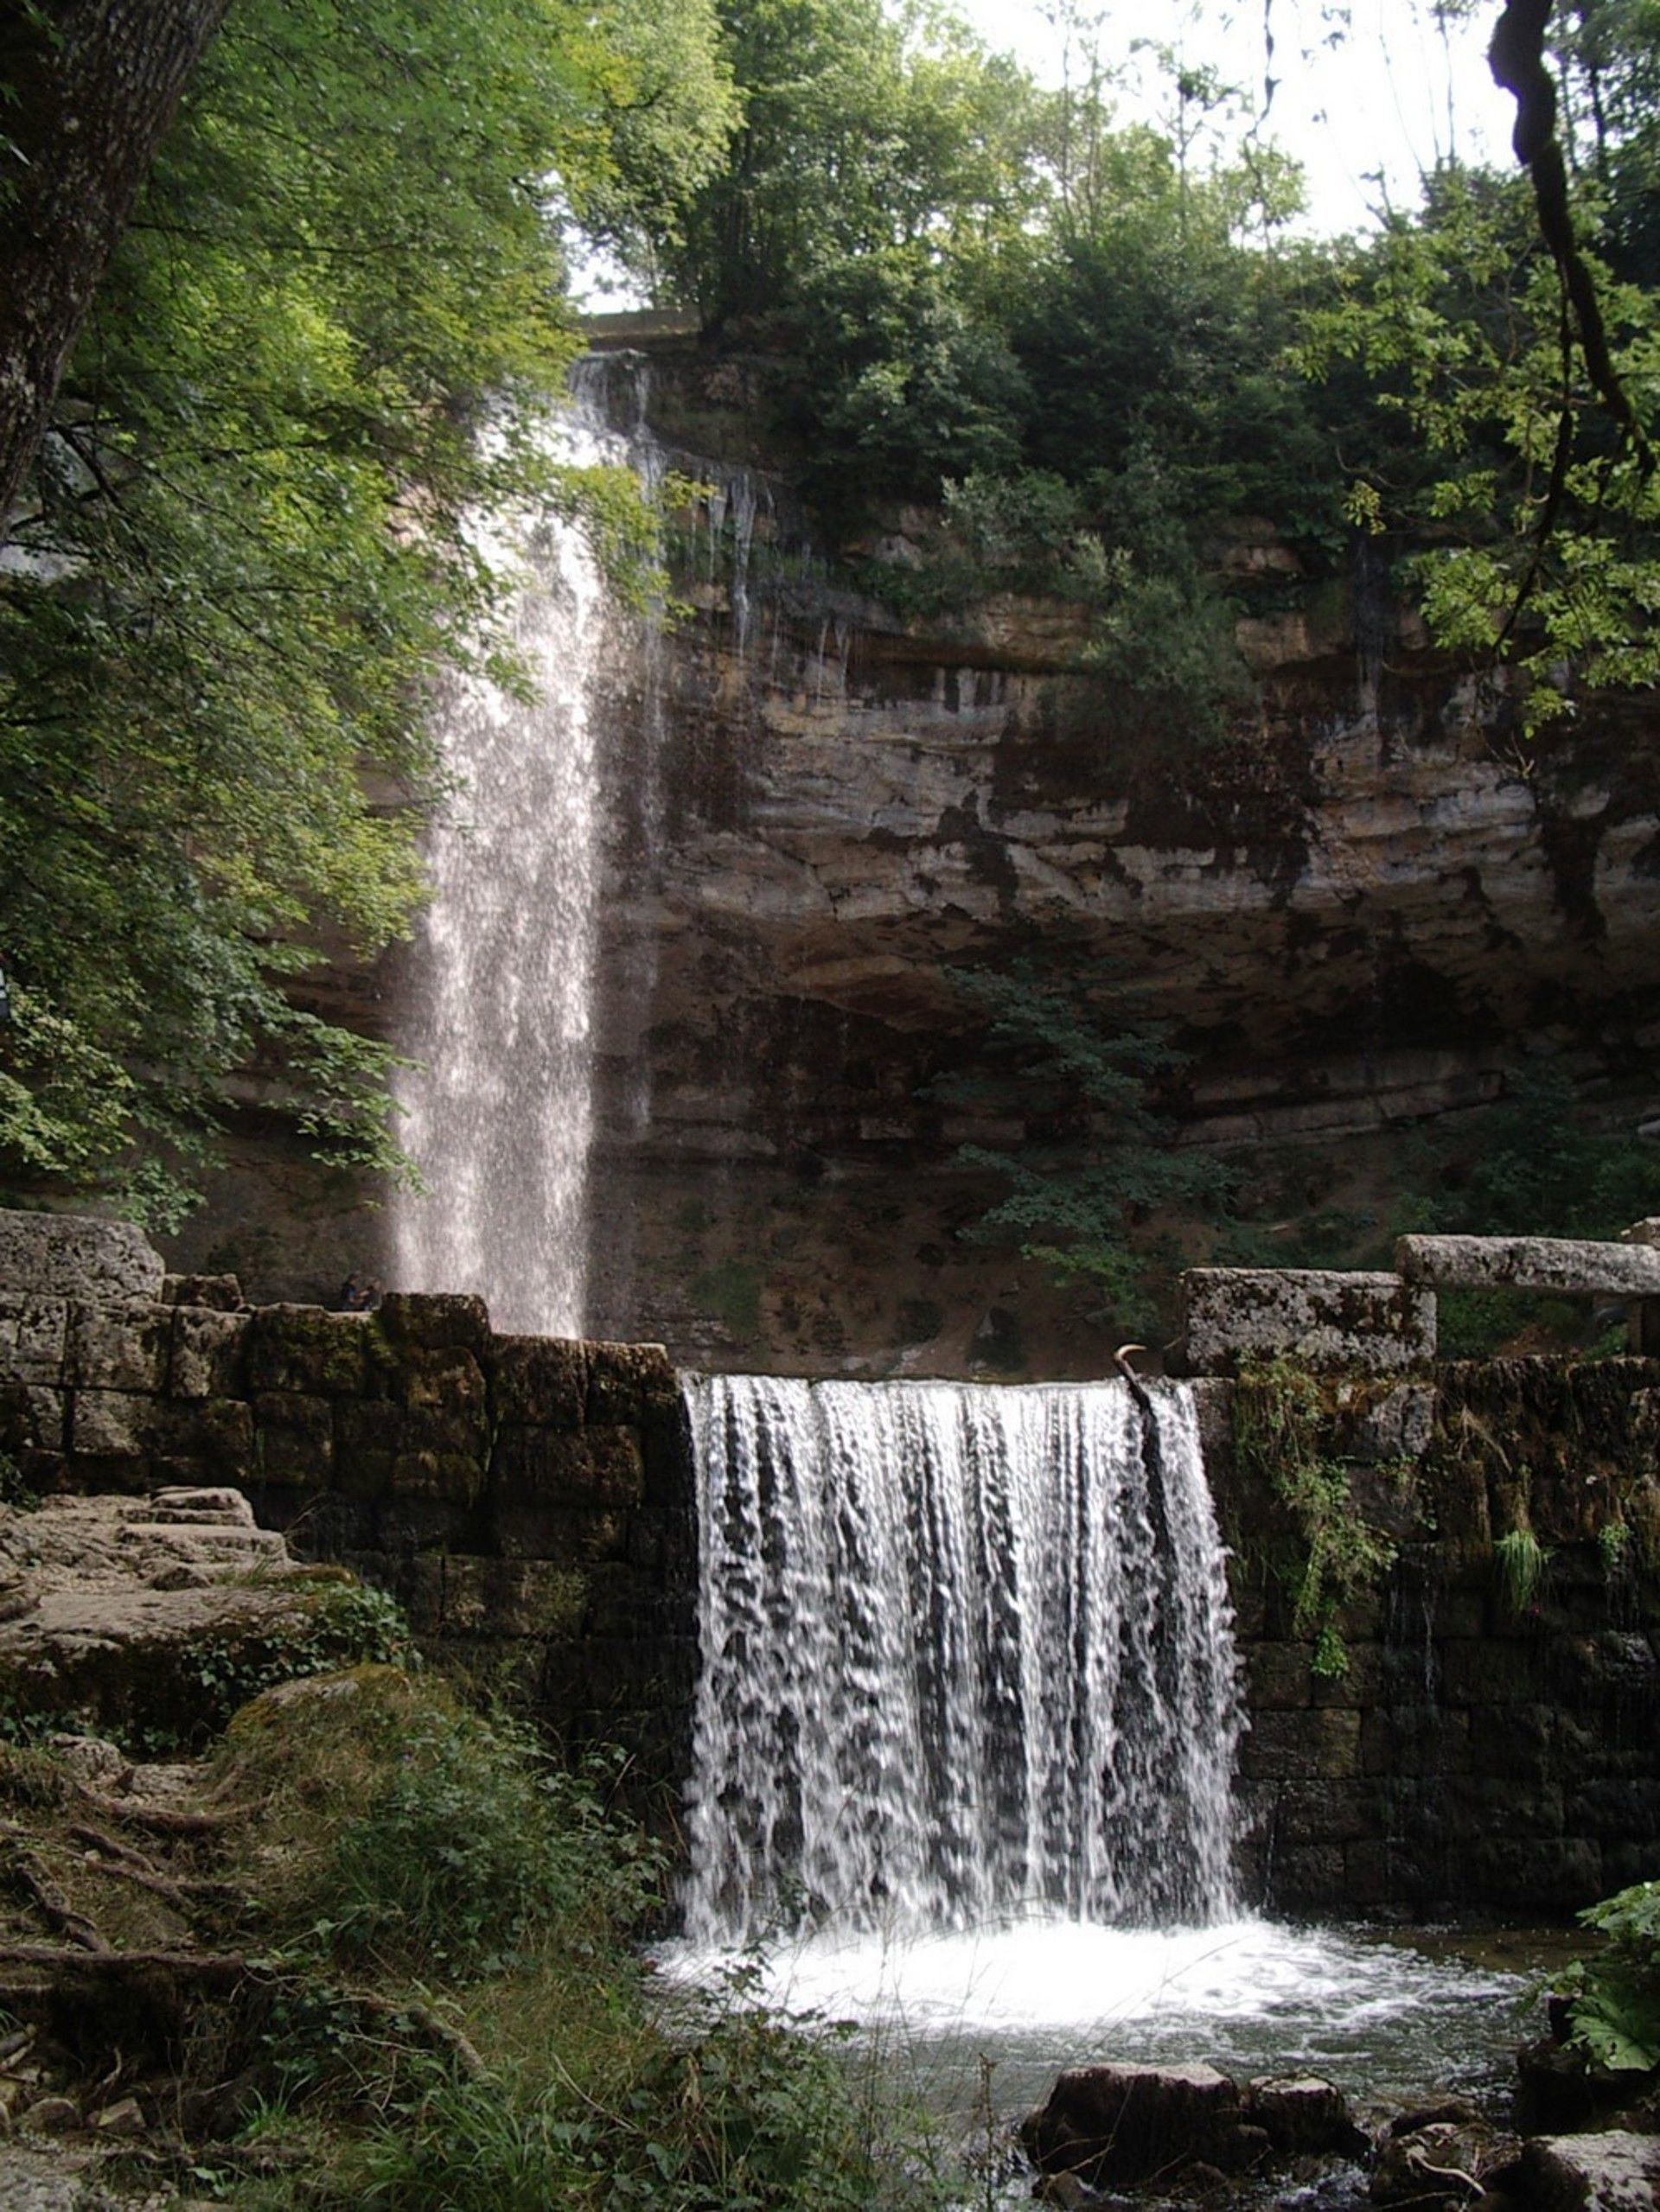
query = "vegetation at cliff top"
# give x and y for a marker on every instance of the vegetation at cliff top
(1106, 335)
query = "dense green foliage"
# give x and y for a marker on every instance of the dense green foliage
(739, 2110)
(329, 342)
(407, 1842)
(1616, 1995)
(987, 290)
(1541, 516)
(1077, 1064)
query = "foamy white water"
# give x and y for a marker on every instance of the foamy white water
(966, 1655)
(1044, 1993)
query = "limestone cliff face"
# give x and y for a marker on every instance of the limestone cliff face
(1358, 908)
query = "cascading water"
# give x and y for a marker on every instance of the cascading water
(498, 1108)
(966, 1655)
(964, 1740)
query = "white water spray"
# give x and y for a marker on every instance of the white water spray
(498, 1110)
(966, 1655)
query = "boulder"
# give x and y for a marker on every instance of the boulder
(155, 1614)
(73, 1256)
(1123, 2126)
(1305, 2116)
(1615, 2170)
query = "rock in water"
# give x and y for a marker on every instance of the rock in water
(1121, 2126)
(1613, 2171)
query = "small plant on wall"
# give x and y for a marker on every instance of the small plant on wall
(1284, 1427)
(1520, 1561)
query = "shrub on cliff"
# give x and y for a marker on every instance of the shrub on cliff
(1073, 1057)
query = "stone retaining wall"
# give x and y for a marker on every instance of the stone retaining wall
(1479, 1753)
(527, 1501)
(530, 1503)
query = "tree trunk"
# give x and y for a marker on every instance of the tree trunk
(94, 85)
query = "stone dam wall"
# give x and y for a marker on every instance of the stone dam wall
(1479, 1749)
(1465, 1744)
(527, 1501)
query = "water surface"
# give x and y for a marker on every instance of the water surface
(1371, 2011)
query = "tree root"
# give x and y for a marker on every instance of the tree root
(54, 1907)
(122, 1862)
(162, 1820)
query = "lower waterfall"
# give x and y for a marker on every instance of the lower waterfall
(967, 1656)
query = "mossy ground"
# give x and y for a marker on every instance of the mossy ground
(377, 1948)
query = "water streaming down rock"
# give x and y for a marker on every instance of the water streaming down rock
(499, 1109)
(966, 1655)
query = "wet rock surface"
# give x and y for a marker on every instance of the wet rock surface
(1610, 2171)
(1157, 2128)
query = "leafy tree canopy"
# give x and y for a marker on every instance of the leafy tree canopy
(330, 339)
(985, 288)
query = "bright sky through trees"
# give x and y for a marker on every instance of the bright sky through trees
(1375, 88)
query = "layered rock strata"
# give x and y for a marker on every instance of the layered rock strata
(1361, 907)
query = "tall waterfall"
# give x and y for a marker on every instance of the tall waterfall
(966, 1653)
(498, 1110)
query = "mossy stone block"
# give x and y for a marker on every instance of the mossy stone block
(671, 1474)
(34, 1339)
(430, 1321)
(216, 1432)
(309, 1350)
(539, 1381)
(111, 1423)
(1329, 1812)
(1278, 1678)
(206, 1360)
(631, 1384)
(1493, 1671)
(31, 1418)
(441, 1379)
(1307, 1746)
(597, 1467)
(577, 1537)
(1359, 1685)
(1414, 1741)
(1556, 1875)
(119, 1347)
(454, 1477)
(294, 1438)
(1311, 1877)
(404, 1522)
(511, 1598)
